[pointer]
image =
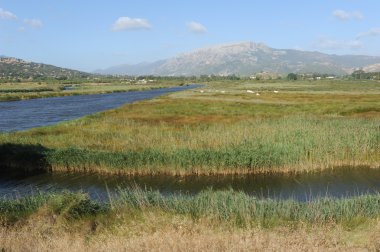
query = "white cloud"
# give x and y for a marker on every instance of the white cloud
(370, 33)
(357, 15)
(21, 29)
(196, 27)
(332, 44)
(345, 15)
(127, 23)
(35, 23)
(7, 14)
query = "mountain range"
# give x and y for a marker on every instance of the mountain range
(244, 59)
(248, 58)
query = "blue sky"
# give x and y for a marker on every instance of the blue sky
(88, 35)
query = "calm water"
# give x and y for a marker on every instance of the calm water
(26, 114)
(334, 183)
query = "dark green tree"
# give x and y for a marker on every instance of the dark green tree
(292, 76)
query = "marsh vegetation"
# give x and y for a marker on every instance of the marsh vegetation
(304, 126)
(283, 127)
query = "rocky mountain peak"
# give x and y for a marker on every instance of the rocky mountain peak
(247, 58)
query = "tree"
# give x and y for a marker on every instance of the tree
(292, 76)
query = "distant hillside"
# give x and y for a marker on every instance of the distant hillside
(245, 59)
(18, 68)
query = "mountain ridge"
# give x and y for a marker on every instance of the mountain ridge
(247, 58)
(11, 67)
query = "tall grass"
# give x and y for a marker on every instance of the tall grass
(229, 206)
(266, 145)
(69, 205)
(291, 143)
(241, 209)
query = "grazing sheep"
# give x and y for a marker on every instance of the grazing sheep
(275, 91)
(257, 94)
(202, 91)
(250, 91)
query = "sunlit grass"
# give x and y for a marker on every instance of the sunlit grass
(236, 208)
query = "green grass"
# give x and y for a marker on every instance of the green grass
(269, 145)
(243, 210)
(68, 205)
(236, 208)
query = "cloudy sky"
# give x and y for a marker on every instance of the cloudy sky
(88, 35)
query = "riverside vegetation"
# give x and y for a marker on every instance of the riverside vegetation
(221, 128)
(143, 219)
(289, 127)
(11, 91)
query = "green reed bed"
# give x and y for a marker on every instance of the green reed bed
(288, 144)
(236, 208)
(69, 205)
(241, 209)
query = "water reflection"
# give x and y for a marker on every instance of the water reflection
(342, 182)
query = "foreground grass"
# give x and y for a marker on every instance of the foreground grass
(160, 233)
(212, 220)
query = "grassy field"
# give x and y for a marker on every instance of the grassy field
(222, 128)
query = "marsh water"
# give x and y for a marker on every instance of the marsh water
(26, 114)
(341, 182)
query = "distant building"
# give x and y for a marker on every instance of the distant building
(143, 81)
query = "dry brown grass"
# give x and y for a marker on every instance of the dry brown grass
(157, 233)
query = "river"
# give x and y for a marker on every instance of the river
(27, 114)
